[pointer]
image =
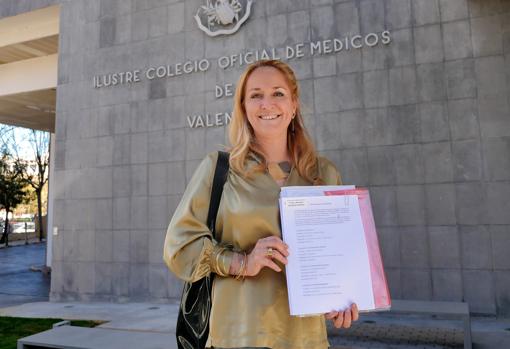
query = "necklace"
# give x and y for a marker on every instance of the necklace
(279, 171)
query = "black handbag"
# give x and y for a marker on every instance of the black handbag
(192, 327)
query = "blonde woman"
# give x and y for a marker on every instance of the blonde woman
(269, 148)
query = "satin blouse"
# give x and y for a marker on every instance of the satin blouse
(254, 312)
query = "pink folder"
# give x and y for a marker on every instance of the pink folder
(381, 292)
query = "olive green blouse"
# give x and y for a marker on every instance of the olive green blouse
(253, 312)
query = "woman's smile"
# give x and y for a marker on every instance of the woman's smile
(270, 117)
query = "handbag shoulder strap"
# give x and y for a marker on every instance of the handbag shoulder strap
(220, 177)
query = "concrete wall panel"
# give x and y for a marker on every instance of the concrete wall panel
(423, 122)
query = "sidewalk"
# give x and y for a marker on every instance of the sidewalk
(372, 331)
(18, 282)
(22, 242)
(24, 293)
(129, 316)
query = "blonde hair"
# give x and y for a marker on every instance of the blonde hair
(242, 136)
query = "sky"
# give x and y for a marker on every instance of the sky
(21, 135)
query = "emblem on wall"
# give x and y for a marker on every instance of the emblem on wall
(222, 17)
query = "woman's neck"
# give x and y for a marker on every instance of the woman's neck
(275, 150)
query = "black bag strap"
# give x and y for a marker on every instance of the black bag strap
(220, 177)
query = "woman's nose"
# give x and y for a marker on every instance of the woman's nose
(265, 103)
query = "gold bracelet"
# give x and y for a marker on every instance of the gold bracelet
(245, 265)
(242, 268)
(222, 265)
(218, 269)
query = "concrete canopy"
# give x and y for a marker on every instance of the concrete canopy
(28, 69)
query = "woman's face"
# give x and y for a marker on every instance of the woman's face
(269, 103)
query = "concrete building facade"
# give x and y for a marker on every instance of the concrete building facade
(410, 98)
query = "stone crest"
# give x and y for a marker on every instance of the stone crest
(222, 17)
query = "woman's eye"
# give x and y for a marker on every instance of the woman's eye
(279, 94)
(256, 95)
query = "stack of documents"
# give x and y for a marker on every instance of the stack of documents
(334, 256)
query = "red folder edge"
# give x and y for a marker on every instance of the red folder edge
(382, 299)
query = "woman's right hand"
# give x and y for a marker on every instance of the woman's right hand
(264, 253)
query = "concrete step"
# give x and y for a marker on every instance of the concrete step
(73, 337)
(359, 336)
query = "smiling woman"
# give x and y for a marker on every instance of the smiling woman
(269, 148)
(282, 139)
(270, 106)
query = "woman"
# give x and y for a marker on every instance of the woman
(270, 148)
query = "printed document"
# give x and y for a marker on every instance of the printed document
(329, 266)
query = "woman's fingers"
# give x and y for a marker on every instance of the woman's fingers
(331, 315)
(347, 319)
(270, 264)
(274, 248)
(278, 256)
(355, 312)
(344, 318)
(339, 320)
(275, 243)
(263, 254)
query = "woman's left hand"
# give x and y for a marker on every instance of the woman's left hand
(344, 318)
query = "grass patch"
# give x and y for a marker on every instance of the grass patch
(14, 328)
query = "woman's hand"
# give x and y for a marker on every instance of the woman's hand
(263, 254)
(344, 318)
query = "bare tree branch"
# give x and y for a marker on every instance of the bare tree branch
(35, 170)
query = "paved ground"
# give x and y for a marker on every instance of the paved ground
(19, 284)
(25, 293)
(375, 331)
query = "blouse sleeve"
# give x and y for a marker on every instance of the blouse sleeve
(328, 172)
(190, 251)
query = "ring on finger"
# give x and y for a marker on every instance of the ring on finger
(269, 252)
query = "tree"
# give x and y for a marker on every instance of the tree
(35, 172)
(4, 129)
(38, 177)
(12, 183)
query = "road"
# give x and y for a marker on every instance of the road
(18, 284)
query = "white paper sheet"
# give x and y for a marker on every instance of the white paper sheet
(301, 191)
(328, 266)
